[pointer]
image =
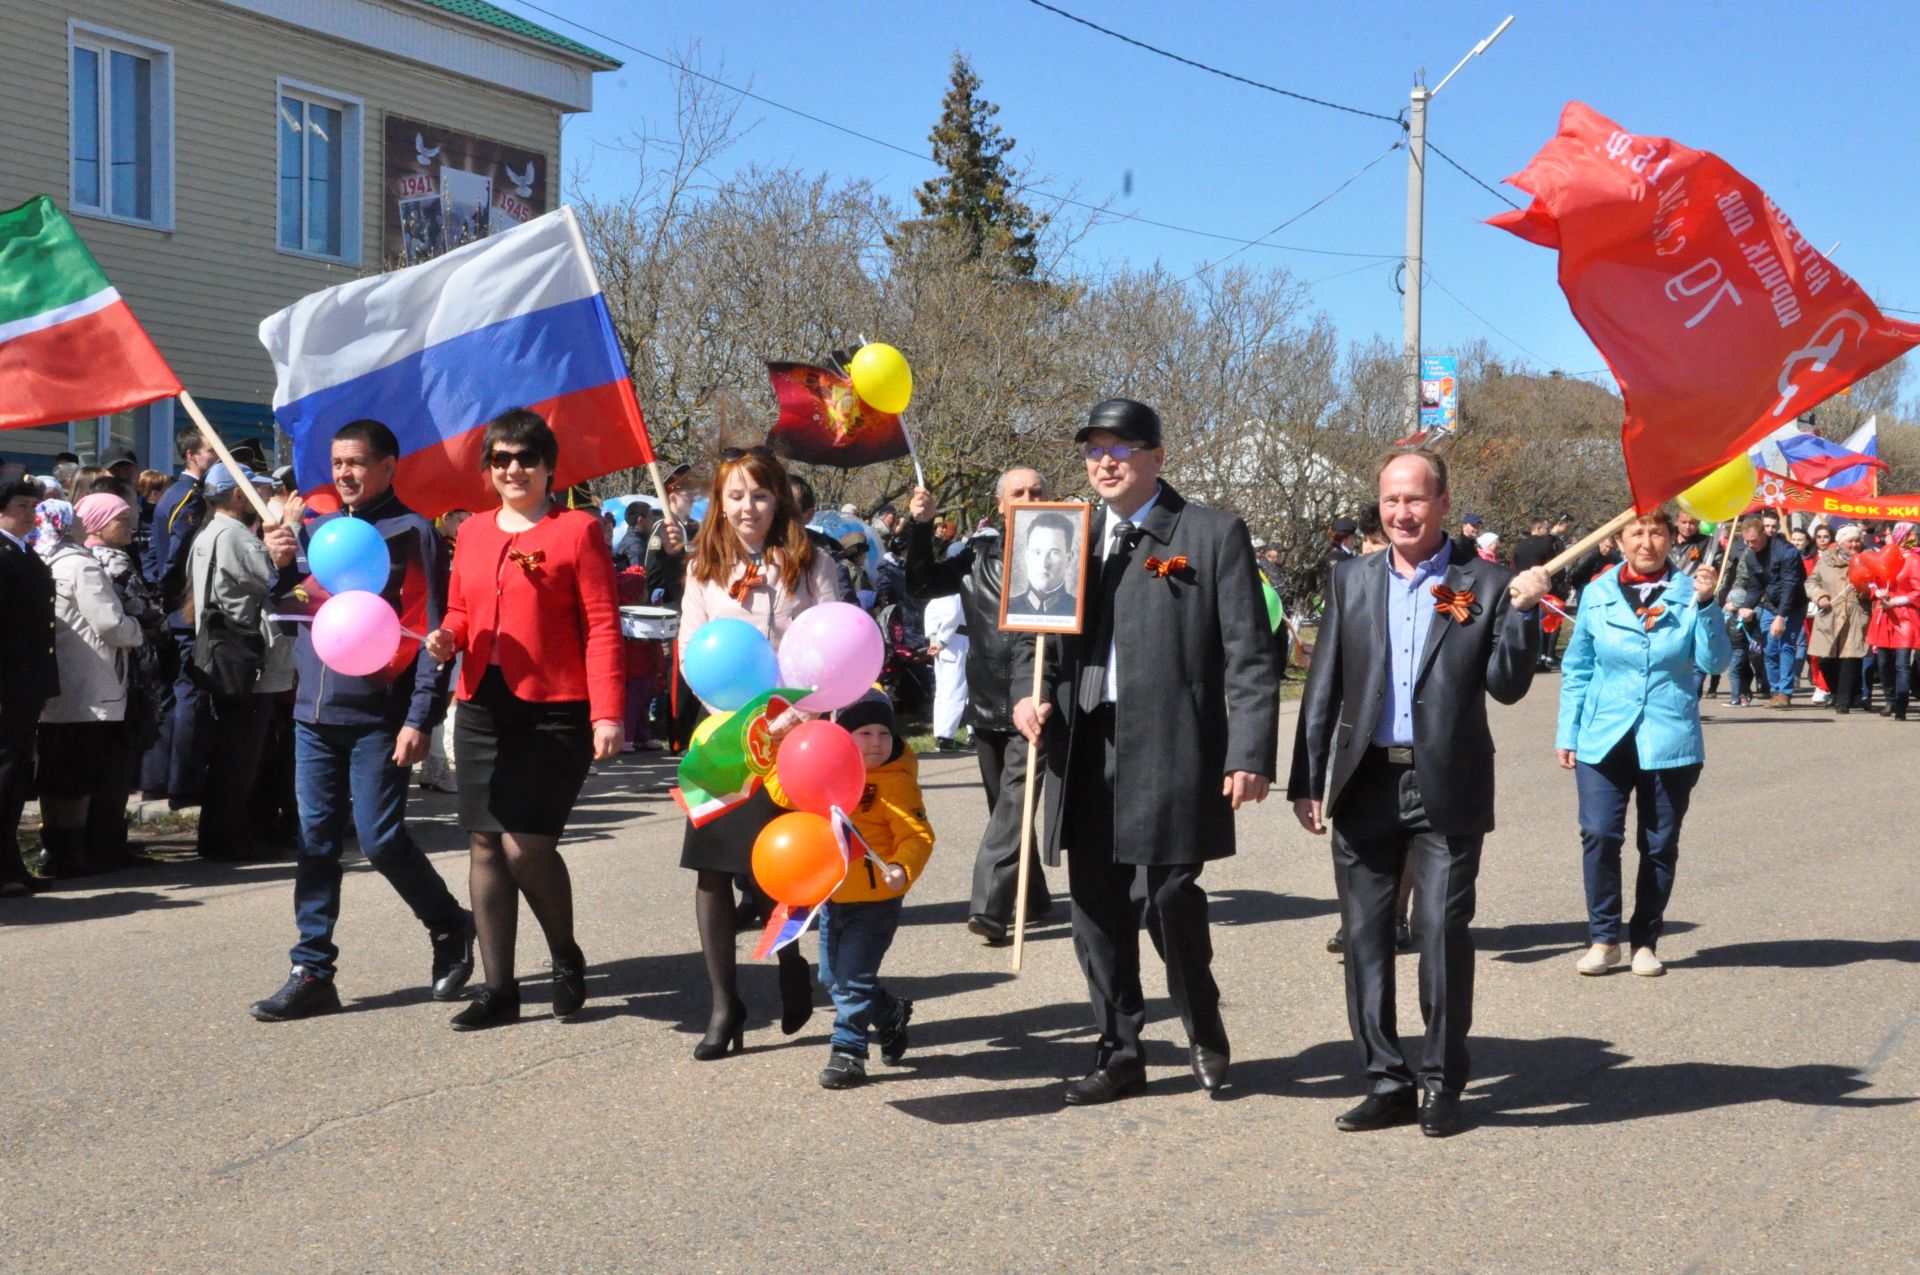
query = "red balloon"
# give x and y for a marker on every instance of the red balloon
(1860, 572)
(1877, 566)
(1893, 560)
(820, 768)
(797, 861)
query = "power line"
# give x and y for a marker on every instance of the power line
(1213, 70)
(1434, 280)
(1021, 187)
(1495, 191)
(1297, 216)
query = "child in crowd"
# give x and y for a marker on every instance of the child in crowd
(858, 922)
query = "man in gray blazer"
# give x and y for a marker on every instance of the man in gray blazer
(1156, 731)
(1393, 731)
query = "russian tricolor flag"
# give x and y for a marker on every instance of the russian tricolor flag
(1819, 462)
(437, 350)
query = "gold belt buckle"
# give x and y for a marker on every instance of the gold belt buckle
(1400, 756)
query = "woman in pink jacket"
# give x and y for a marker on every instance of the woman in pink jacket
(751, 561)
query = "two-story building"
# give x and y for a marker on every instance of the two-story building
(223, 158)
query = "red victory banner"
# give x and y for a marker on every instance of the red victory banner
(823, 422)
(1778, 491)
(1720, 321)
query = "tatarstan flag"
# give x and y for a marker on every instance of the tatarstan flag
(69, 346)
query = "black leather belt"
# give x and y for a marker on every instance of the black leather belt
(1395, 756)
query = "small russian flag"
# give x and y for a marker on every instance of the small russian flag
(437, 350)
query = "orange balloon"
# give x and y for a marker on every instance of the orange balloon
(797, 861)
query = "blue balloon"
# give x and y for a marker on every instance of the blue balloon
(347, 554)
(728, 662)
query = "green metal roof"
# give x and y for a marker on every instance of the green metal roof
(494, 16)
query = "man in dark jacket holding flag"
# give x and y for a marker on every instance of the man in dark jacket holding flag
(357, 738)
(974, 574)
(177, 762)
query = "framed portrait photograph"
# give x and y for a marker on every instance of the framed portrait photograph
(1043, 583)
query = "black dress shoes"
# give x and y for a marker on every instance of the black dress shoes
(1379, 1111)
(491, 1008)
(725, 1035)
(569, 984)
(1440, 1114)
(452, 960)
(1104, 1084)
(987, 928)
(1209, 1066)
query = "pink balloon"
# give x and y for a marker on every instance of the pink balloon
(356, 633)
(836, 649)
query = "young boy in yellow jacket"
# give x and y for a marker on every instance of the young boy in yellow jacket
(858, 923)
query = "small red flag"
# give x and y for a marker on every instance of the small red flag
(823, 422)
(1720, 321)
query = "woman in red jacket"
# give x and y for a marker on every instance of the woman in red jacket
(1895, 628)
(542, 685)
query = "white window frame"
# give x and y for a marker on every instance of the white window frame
(103, 41)
(353, 112)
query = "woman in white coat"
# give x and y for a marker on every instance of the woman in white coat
(83, 726)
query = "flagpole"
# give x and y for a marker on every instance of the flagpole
(1026, 808)
(913, 454)
(212, 435)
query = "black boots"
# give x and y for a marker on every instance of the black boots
(64, 853)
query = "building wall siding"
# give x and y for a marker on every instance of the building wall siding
(202, 288)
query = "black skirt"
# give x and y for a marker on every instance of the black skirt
(72, 755)
(726, 844)
(519, 764)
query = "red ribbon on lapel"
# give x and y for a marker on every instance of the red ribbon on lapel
(528, 562)
(1456, 605)
(1172, 566)
(746, 584)
(1650, 614)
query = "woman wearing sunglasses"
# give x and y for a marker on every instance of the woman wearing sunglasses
(531, 606)
(752, 561)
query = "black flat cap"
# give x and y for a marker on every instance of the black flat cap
(1345, 526)
(1135, 422)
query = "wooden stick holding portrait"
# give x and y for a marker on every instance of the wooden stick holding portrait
(1043, 591)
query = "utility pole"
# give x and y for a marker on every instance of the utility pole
(1416, 212)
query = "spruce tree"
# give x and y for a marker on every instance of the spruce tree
(972, 199)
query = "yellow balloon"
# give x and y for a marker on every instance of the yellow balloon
(1723, 494)
(705, 729)
(881, 377)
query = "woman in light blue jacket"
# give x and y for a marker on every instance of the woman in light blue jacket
(1630, 728)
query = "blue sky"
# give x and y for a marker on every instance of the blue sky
(1802, 98)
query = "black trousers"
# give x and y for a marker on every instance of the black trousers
(1112, 900)
(239, 738)
(1843, 682)
(1380, 833)
(19, 721)
(996, 867)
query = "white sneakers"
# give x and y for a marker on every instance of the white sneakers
(1600, 958)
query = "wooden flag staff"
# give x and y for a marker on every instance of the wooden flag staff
(212, 435)
(1026, 811)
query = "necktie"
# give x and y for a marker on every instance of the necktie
(1093, 665)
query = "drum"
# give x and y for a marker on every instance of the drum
(650, 624)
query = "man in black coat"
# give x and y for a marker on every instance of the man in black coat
(29, 675)
(1156, 730)
(1393, 748)
(1536, 549)
(974, 573)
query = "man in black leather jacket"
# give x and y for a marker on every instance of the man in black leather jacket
(974, 574)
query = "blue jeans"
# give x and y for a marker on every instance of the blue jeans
(1779, 653)
(342, 773)
(854, 938)
(1661, 798)
(1896, 676)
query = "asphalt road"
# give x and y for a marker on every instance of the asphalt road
(1752, 1110)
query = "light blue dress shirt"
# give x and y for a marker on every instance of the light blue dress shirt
(1410, 614)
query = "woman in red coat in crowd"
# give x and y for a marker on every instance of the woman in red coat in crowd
(1895, 628)
(531, 607)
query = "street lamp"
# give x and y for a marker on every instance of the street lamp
(1416, 204)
